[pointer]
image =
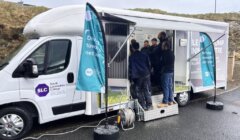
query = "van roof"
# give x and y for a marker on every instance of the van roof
(69, 20)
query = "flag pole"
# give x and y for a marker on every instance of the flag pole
(106, 81)
(213, 105)
(106, 132)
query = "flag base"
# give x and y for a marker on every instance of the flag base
(106, 132)
(214, 105)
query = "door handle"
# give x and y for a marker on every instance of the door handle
(70, 77)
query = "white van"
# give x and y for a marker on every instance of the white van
(39, 79)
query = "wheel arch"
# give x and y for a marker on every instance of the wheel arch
(28, 105)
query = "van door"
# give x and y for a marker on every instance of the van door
(54, 89)
(181, 66)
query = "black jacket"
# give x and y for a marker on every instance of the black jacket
(153, 56)
(146, 50)
(168, 61)
(139, 65)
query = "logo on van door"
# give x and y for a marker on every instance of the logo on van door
(42, 90)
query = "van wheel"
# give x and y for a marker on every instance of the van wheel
(15, 123)
(183, 98)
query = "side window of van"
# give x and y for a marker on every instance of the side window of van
(51, 57)
(58, 56)
(39, 57)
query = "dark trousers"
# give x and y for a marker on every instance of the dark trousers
(142, 90)
(156, 78)
(167, 86)
(149, 85)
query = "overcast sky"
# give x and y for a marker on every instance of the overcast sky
(177, 6)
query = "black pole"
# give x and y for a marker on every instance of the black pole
(105, 132)
(106, 74)
(215, 74)
(105, 61)
(214, 68)
(106, 90)
(214, 105)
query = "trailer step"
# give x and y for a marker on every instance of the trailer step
(156, 112)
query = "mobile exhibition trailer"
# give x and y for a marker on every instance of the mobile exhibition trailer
(47, 89)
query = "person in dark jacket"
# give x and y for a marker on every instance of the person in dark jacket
(152, 49)
(132, 86)
(132, 41)
(139, 73)
(167, 74)
(146, 51)
(162, 36)
(158, 52)
(153, 60)
(146, 48)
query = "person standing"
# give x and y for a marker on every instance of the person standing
(162, 36)
(132, 86)
(146, 48)
(139, 73)
(154, 61)
(131, 42)
(154, 45)
(167, 74)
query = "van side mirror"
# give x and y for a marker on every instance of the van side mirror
(30, 68)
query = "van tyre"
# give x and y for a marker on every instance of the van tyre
(15, 123)
(183, 98)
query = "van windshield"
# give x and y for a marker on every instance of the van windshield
(5, 61)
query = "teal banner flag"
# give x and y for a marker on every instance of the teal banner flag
(207, 60)
(91, 75)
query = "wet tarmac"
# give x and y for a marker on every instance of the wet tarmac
(194, 122)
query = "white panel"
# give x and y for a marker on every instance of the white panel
(69, 20)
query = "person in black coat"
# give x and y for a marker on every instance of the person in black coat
(132, 41)
(139, 73)
(167, 74)
(162, 36)
(154, 61)
(158, 56)
(146, 48)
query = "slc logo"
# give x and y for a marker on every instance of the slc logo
(42, 90)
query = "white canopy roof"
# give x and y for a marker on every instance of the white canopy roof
(69, 20)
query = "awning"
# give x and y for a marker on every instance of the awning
(109, 17)
(170, 25)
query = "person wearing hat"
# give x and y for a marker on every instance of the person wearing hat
(139, 73)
